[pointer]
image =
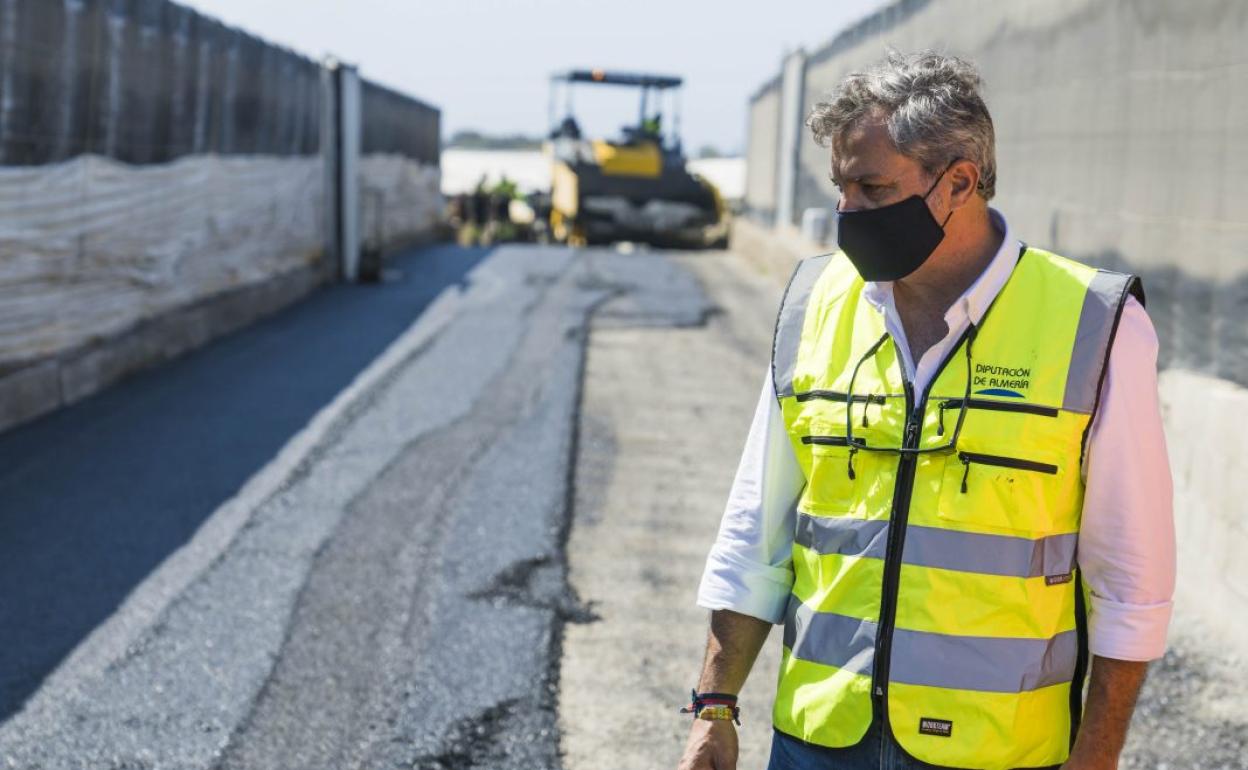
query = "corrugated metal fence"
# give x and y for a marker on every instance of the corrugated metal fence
(146, 81)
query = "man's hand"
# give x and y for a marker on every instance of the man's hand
(712, 745)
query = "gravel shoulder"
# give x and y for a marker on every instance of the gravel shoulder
(664, 416)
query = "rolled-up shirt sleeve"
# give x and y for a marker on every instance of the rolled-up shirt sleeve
(750, 566)
(1126, 549)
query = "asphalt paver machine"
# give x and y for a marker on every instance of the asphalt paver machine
(636, 187)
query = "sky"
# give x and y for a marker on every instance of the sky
(486, 63)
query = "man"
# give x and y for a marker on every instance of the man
(949, 418)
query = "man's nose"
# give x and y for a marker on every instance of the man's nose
(849, 201)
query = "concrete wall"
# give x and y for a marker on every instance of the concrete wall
(158, 166)
(792, 88)
(761, 151)
(1122, 129)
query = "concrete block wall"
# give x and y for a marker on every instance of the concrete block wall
(1122, 140)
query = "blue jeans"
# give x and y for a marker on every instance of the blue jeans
(874, 752)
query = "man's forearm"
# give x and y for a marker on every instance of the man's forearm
(1112, 690)
(731, 647)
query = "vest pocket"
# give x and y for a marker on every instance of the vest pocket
(999, 492)
(953, 405)
(834, 474)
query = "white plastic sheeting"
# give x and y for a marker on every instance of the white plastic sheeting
(405, 194)
(727, 174)
(90, 247)
(462, 169)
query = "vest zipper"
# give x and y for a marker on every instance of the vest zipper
(836, 395)
(835, 441)
(996, 406)
(866, 399)
(898, 517)
(1001, 462)
(892, 556)
(826, 440)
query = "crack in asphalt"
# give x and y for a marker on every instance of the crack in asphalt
(528, 582)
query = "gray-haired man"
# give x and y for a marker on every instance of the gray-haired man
(949, 417)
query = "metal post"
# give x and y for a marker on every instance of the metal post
(792, 96)
(340, 146)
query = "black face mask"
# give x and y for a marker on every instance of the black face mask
(891, 242)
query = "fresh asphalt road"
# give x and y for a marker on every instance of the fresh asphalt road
(395, 597)
(95, 496)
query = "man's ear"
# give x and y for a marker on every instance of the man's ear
(963, 179)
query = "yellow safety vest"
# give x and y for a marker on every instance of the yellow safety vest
(939, 591)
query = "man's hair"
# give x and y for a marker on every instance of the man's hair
(930, 105)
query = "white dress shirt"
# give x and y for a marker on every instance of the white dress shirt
(1125, 548)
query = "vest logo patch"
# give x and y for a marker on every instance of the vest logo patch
(941, 727)
(994, 380)
(1056, 580)
(999, 392)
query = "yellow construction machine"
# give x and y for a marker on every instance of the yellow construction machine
(635, 187)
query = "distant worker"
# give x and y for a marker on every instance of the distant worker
(474, 213)
(955, 493)
(481, 202)
(652, 126)
(568, 129)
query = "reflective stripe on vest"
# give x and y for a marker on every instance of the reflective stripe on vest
(941, 590)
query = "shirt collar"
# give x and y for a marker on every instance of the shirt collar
(978, 296)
